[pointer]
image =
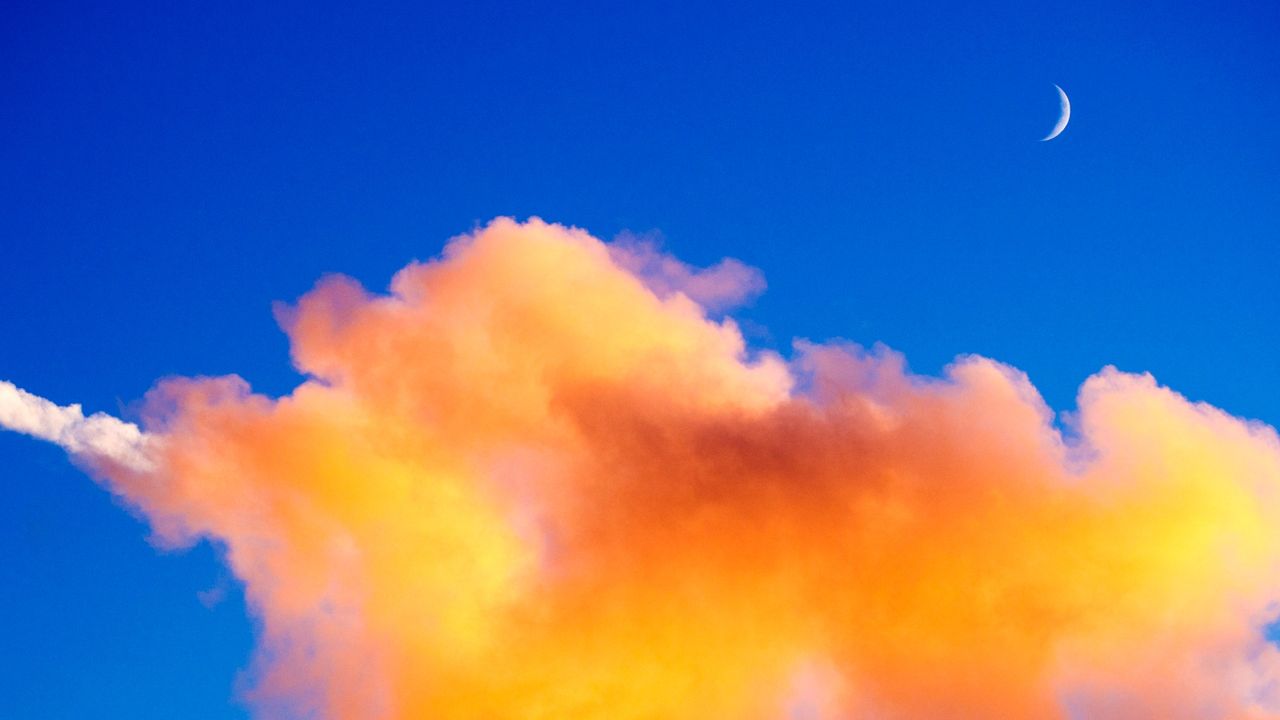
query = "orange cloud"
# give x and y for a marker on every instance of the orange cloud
(535, 480)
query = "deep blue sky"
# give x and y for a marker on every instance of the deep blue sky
(167, 172)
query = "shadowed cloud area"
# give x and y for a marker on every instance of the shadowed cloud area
(539, 479)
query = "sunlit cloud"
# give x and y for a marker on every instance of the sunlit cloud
(541, 478)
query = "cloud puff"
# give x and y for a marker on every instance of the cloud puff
(725, 285)
(97, 436)
(536, 480)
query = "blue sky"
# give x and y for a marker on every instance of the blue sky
(166, 172)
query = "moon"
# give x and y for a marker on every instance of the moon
(1063, 119)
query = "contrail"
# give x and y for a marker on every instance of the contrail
(97, 436)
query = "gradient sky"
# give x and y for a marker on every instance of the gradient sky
(166, 173)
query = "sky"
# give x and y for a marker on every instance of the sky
(168, 173)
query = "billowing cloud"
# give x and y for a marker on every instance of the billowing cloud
(536, 480)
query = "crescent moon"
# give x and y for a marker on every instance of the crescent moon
(1063, 119)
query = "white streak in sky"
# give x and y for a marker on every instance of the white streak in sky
(99, 435)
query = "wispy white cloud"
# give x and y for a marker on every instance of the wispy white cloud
(96, 436)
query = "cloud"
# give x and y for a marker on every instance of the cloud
(98, 436)
(726, 284)
(531, 481)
